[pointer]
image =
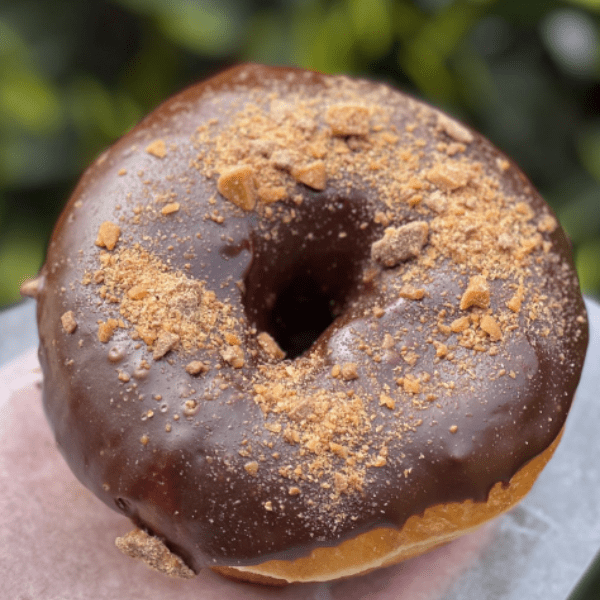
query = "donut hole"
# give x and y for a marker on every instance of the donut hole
(309, 303)
(308, 275)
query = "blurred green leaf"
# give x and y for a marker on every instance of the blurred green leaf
(266, 39)
(589, 4)
(21, 253)
(324, 40)
(406, 19)
(206, 29)
(12, 48)
(447, 29)
(30, 101)
(575, 204)
(425, 58)
(100, 117)
(304, 17)
(589, 150)
(157, 61)
(13, 159)
(588, 266)
(426, 68)
(372, 25)
(525, 13)
(28, 161)
(478, 91)
(211, 27)
(27, 98)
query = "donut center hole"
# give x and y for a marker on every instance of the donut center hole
(306, 276)
(308, 304)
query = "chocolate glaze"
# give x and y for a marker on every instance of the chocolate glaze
(190, 485)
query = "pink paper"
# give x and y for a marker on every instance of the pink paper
(57, 539)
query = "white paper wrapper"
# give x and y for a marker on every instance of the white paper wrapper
(57, 539)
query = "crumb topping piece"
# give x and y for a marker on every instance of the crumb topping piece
(411, 384)
(459, 325)
(348, 119)
(137, 292)
(30, 288)
(152, 551)
(165, 342)
(269, 194)
(106, 330)
(270, 346)
(400, 243)
(251, 468)
(233, 355)
(349, 371)
(516, 301)
(491, 327)
(68, 321)
(454, 129)
(476, 294)
(108, 235)
(170, 208)
(157, 148)
(387, 401)
(160, 304)
(237, 185)
(313, 175)
(449, 176)
(547, 224)
(196, 367)
(411, 293)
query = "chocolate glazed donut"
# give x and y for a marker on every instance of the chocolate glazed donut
(291, 313)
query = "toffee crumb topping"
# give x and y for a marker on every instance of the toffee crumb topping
(165, 342)
(157, 148)
(313, 175)
(270, 346)
(68, 321)
(196, 367)
(108, 235)
(347, 119)
(454, 129)
(237, 185)
(400, 243)
(106, 330)
(138, 544)
(166, 308)
(476, 294)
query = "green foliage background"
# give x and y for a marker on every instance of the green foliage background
(76, 75)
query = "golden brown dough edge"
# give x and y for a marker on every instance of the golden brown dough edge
(383, 547)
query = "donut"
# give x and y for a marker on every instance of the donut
(297, 327)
